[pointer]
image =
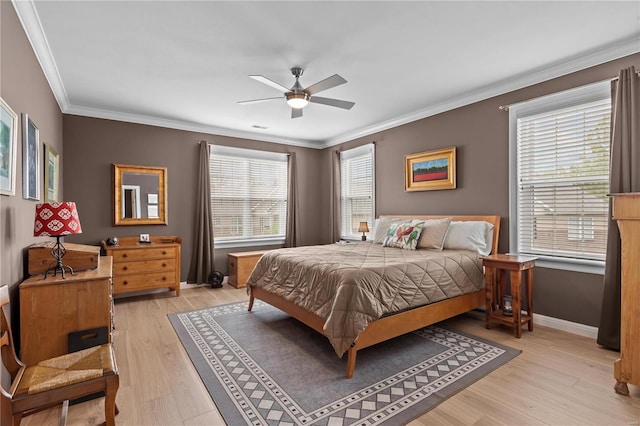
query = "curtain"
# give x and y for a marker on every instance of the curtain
(624, 177)
(336, 223)
(292, 233)
(202, 252)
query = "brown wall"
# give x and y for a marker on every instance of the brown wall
(480, 132)
(92, 145)
(24, 87)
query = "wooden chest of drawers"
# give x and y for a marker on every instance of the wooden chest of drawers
(145, 266)
(53, 307)
(241, 265)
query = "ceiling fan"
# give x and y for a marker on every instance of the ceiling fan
(298, 97)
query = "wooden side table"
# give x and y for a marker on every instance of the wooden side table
(241, 265)
(495, 279)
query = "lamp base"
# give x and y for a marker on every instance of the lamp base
(364, 238)
(58, 251)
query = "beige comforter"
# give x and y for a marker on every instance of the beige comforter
(351, 285)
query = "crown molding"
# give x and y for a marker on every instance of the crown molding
(30, 21)
(184, 125)
(592, 58)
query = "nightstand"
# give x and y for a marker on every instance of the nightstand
(495, 278)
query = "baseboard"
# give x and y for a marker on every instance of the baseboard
(564, 325)
(551, 322)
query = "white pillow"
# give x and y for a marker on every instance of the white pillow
(471, 235)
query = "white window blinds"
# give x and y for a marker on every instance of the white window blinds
(248, 195)
(563, 178)
(357, 178)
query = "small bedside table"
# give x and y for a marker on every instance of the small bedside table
(495, 278)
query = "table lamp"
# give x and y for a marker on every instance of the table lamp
(364, 227)
(57, 220)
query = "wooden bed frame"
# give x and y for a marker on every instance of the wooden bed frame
(393, 325)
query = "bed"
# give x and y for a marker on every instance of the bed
(361, 293)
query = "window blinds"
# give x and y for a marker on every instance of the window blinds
(563, 181)
(248, 194)
(357, 189)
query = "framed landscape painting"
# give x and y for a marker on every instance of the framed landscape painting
(8, 148)
(431, 170)
(51, 174)
(30, 160)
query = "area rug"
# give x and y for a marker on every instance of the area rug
(266, 368)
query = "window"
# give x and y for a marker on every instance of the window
(248, 196)
(560, 178)
(357, 178)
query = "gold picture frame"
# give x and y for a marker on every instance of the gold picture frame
(51, 174)
(430, 170)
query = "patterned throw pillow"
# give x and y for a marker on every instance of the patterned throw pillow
(404, 235)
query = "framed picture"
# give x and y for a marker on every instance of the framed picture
(30, 160)
(431, 170)
(8, 148)
(51, 174)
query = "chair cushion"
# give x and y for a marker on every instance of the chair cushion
(67, 369)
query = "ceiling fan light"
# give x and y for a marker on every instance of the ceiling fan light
(297, 100)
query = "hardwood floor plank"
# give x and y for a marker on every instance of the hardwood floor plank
(559, 379)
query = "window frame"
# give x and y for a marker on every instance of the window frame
(251, 154)
(573, 97)
(347, 155)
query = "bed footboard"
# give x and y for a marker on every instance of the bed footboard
(383, 329)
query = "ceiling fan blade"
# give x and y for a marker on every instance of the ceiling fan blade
(296, 112)
(265, 80)
(327, 83)
(255, 101)
(332, 102)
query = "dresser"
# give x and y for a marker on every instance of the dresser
(626, 211)
(52, 307)
(145, 266)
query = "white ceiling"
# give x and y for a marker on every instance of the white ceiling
(185, 65)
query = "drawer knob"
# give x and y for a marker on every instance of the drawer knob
(124, 268)
(164, 252)
(125, 255)
(232, 265)
(164, 278)
(125, 282)
(164, 265)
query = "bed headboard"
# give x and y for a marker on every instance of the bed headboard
(495, 220)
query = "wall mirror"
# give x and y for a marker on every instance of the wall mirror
(139, 195)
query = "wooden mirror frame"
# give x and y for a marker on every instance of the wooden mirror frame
(161, 173)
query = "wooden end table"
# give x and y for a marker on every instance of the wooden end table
(495, 278)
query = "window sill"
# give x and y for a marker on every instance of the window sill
(248, 243)
(575, 265)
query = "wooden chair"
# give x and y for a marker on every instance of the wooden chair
(53, 381)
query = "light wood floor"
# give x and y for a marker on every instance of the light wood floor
(559, 379)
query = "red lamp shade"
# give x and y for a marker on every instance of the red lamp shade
(56, 219)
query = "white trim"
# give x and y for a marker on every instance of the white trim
(564, 325)
(550, 322)
(555, 101)
(248, 243)
(30, 21)
(257, 154)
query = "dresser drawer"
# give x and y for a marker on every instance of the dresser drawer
(149, 253)
(143, 266)
(123, 284)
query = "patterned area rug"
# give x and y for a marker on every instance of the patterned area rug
(266, 368)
